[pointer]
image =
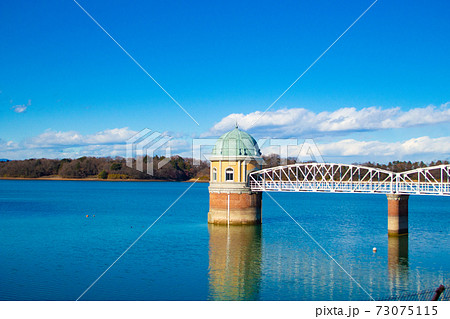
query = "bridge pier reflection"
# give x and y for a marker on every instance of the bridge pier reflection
(398, 264)
(234, 262)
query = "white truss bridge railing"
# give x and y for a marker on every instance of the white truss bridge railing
(343, 178)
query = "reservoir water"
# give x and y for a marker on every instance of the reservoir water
(50, 250)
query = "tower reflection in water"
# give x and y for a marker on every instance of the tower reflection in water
(234, 262)
(398, 261)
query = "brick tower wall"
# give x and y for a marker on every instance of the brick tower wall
(245, 208)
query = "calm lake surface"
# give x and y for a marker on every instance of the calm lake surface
(51, 251)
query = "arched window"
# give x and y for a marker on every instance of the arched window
(214, 177)
(229, 174)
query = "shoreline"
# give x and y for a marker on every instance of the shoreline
(93, 179)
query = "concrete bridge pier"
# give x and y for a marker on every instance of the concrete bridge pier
(397, 214)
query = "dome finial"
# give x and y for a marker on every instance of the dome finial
(236, 125)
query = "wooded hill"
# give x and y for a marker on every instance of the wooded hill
(177, 169)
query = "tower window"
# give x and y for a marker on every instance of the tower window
(229, 174)
(214, 174)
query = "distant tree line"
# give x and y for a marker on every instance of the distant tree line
(398, 166)
(177, 169)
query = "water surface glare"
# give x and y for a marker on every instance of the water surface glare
(52, 251)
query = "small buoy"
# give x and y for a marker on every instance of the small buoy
(374, 249)
(87, 216)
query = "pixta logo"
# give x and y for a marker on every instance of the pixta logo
(284, 147)
(143, 146)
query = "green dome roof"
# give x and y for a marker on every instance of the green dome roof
(236, 143)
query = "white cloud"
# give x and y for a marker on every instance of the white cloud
(300, 121)
(52, 138)
(58, 144)
(7, 145)
(72, 144)
(350, 150)
(21, 108)
(424, 147)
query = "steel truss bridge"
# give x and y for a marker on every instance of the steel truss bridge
(343, 178)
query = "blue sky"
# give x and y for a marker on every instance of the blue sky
(67, 90)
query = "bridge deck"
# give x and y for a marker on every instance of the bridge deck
(342, 178)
